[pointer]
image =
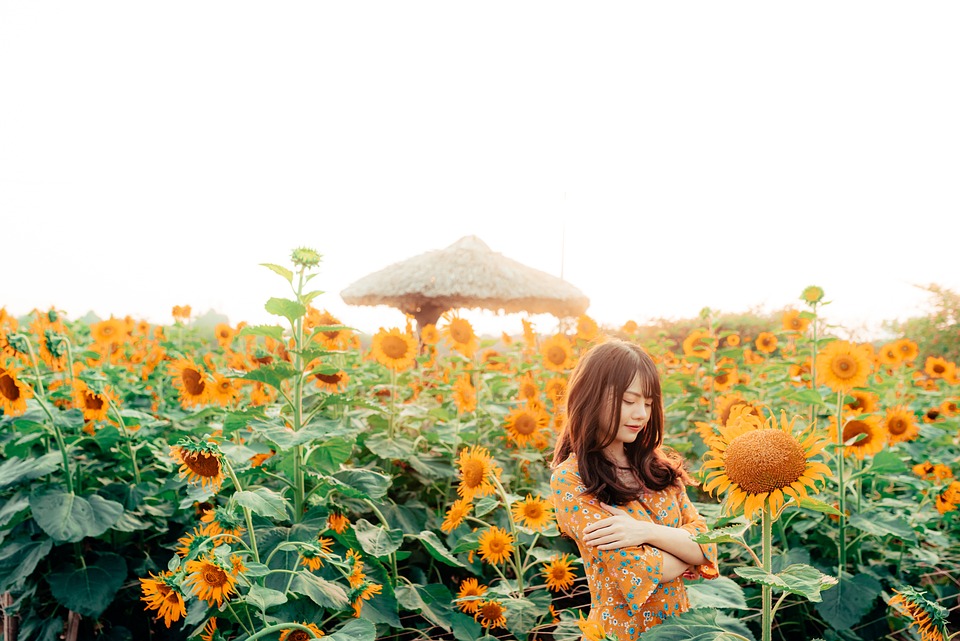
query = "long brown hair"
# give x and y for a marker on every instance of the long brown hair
(594, 395)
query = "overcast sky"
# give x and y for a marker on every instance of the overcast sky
(662, 157)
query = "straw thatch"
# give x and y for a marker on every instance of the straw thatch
(467, 274)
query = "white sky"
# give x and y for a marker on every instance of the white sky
(721, 154)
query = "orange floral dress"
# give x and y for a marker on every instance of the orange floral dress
(627, 595)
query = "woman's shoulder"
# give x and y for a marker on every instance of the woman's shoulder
(567, 467)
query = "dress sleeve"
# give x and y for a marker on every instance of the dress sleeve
(636, 571)
(692, 522)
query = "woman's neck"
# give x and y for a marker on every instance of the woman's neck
(617, 455)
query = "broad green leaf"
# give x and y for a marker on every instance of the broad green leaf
(16, 470)
(389, 448)
(382, 608)
(701, 624)
(273, 375)
(89, 590)
(805, 580)
(367, 483)
(486, 505)
(14, 506)
(327, 457)
(68, 517)
(255, 569)
(438, 550)
(354, 630)
(289, 309)
(377, 541)
(277, 269)
(521, 614)
(720, 592)
(264, 598)
(18, 559)
(264, 502)
(730, 534)
(886, 462)
(273, 331)
(844, 606)
(285, 438)
(467, 543)
(810, 503)
(322, 592)
(883, 524)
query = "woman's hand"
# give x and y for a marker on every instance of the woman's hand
(618, 531)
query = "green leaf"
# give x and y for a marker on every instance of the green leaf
(438, 550)
(324, 593)
(264, 502)
(273, 331)
(701, 624)
(277, 269)
(14, 506)
(330, 454)
(16, 470)
(730, 534)
(846, 604)
(720, 592)
(367, 483)
(377, 541)
(354, 630)
(68, 517)
(18, 559)
(89, 590)
(390, 448)
(883, 524)
(289, 309)
(810, 503)
(807, 397)
(264, 598)
(805, 580)
(467, 543)
(886, 462)
(273, 375)
(255, 569)
(521, 614)
(486, 505)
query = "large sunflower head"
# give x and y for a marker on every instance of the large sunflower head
(470, 588)
(929, 616)
(459, 334)
(842, 365)
(587, 328)
(190, 379)
(523, 423)
(937, 367)
(464, 394)
(869, 436)
(557, 353)
(211, 581)
(455, 515)
(163, 594)
(908, 349)
(533, 512)
(199, 463)
(491, 614)
(495, 545)
(766, 342)
(394, 349)
(558, 573)
(700, 343)
(792, 321)
(760, 464)
(527, 388)
(13, 392)
(477, 471)
(861, 401)
(900, 425)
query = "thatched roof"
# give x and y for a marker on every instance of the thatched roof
(467, 274)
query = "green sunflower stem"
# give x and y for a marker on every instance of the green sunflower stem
(767, 619)
(299, 481)
(126, 439)
(515, 558)
(58, 435)
(393, 555)
(393, 402)
(248, 516)
(842, 494)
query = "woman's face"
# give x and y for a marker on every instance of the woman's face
(635, 411)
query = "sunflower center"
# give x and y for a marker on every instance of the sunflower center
(203, 464)
(556, 355)
(844, 367)
(897, 425)
(761, 461)
(491, 611)
(92, 402)
(853, 429)
(532, 511)
(472, 473)
(9, 388)
(214, 576)
(394, 347)
(460, 332)
(192, 381)
(298, 635)
(497, 545)
(329, 379)
(939, 369)
(558, 572)
(525, 424)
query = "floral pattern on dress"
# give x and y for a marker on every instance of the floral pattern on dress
(627, 593)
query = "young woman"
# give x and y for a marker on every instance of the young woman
(621, 497)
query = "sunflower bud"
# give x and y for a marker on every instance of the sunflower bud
(305, 257)
(53, 316)
(56, 343)
(812, 294)
(19, 343)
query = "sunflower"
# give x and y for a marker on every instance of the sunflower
(853, 426)
(336, 338)
(761, 464)
(557, 353)
(523, 423)
(496, 545)
(699, 344)
(491, 614)
(477, 470)
(841, 366)
(812, 294)
(724, 407)
(861, 401)
(199, 462)
(529, 333)
(364, 593)
(928, 471)
(395, 350)
(222, 520)
(296, 634)
(429, 335)
(534, 513)
(459, 333)
(587, 328)
(908, 350)
(189, 378)
(799, 373)
(900, 425)
(766, 342)
(188, 544)
(936, 367)
(13, 392)
(949, 498)
(592, 630)
(470, 588)
(792, 321)
(337, 522)
(731, 340)
(949, 407)
(108, 332)
(210, 580)
(726, 377)
(312, 557)
(224, 334)
(558, 574)
(455, 514)
(464, 394)
(181, 313)
(888, 355)
(330, 381)
(209, 629)
(929, 616)
(528, 387)
(630, 327)
(493, 361)
(161, 593)
(222, 390)
(556, 390)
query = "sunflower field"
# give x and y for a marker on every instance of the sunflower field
(300, 480)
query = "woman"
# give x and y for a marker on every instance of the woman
(621, 497)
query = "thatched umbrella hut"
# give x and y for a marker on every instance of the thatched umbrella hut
(467, 274)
